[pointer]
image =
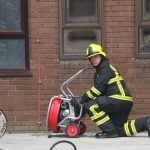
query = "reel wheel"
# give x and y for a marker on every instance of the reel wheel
(72, 130)
(82, 127)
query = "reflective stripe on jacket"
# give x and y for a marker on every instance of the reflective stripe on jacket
(108, 82)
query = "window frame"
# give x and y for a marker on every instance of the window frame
(63, 24)
(23, 34)
(139, 24)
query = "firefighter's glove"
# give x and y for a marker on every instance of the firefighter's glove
(75, 101)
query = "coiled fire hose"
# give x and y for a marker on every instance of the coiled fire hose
(3, 123)
(63, 141)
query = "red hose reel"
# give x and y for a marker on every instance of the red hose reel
(54, 114)
(61, 117)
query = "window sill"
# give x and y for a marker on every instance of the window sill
(15, 73)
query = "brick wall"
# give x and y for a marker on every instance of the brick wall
(19, 96)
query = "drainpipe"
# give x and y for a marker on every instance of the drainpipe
(39, 69)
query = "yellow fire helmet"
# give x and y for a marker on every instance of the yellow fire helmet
(94, 49)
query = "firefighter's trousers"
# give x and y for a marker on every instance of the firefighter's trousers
(111, 114)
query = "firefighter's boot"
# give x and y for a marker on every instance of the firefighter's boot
(112, 134)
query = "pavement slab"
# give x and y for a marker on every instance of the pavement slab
(40, 141)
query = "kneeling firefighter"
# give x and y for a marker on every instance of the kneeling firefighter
(109, 102)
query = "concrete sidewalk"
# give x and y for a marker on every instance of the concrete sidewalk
(40, 141)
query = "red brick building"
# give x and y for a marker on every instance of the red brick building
(121, 26)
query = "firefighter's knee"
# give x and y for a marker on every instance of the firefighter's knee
(90, 103)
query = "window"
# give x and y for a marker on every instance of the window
(14, 44)
(81, 23)
(142, 28)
